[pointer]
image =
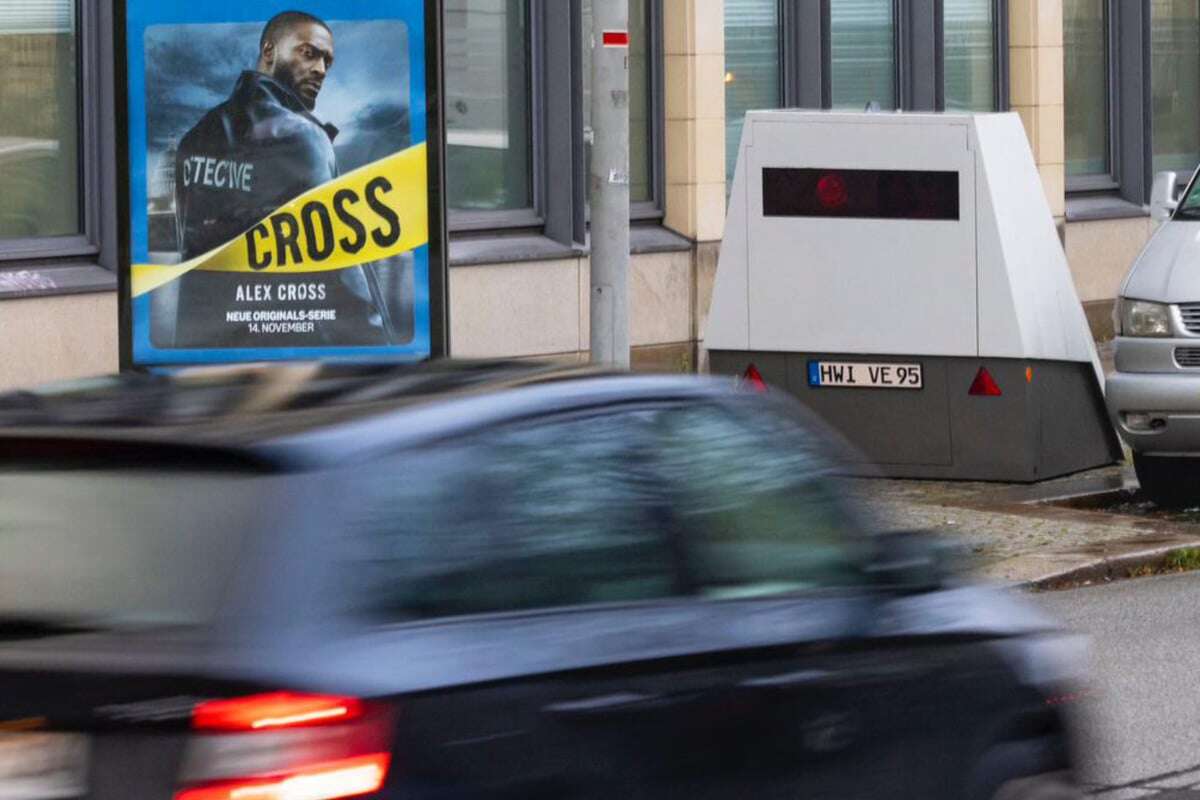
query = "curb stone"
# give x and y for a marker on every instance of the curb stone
(1106, 570)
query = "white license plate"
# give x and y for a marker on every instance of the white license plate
(42, 766)
(864, 375)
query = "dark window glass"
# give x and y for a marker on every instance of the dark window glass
(1175, 83)
(121, 548)
(39, 129)
(489, 127)
(969, 30)
(861, 193)
(1086, 80)
(554, 515)
(862, 36)
(752, 75)
(754, 505)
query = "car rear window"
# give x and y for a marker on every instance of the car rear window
(121, 548)
(564, 513)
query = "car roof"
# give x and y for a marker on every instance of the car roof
(298, 416)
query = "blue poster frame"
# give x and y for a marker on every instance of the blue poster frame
(423, 19)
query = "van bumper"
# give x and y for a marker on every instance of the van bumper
(1171, 400)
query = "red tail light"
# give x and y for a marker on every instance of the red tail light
(752, 379)
(984, 385)
(276, 710)
(352, 777)
(286, 746)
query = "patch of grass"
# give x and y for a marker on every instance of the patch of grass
(1185, 560)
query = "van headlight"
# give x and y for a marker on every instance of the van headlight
(1143, 318)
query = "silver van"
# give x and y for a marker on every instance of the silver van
(1154, 394)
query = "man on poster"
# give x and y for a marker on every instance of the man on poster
(247, 157)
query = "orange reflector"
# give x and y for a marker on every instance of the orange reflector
(753, 379)
(984, 385)
(275, 710)
(1029, 374)
(351, 777)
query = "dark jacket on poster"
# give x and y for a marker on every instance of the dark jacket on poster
(242, 161)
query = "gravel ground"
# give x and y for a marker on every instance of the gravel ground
(1006, 535)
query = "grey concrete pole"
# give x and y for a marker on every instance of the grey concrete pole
(608, 183)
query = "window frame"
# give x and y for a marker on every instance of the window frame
(466, 435)
(1000, 75)
(1147, 130)
(919, 46)
(788, 66)
(86, 261)
(1130, 115)
(530, 216)
(653, 209)
(559, 208)
(1110, 180)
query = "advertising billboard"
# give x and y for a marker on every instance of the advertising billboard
(283, 197)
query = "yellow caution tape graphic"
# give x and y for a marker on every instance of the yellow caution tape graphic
(375, 212)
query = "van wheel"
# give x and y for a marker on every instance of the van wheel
(1169, 482)
(1058, 786)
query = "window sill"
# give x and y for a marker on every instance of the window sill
(18, 283)
(1092, 207)
(656, 239)
(498, 248)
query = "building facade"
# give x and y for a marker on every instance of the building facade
(1108, 90)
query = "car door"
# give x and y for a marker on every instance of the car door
(841, 713)
(745, 673)
(511, 577)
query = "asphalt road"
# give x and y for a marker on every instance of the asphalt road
(1144, 711)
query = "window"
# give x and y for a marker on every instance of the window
(848, 54)
(58, 155)
(488, 120)
(1129, 110)
(755, 507)
(518, 110)
(752, 74)
(557, 514)
(863, 47)
(124, 572)
(39, 130)
(1175, 84)
(970, 55)
(1086, 85)
(640, 94)
(1189, 206)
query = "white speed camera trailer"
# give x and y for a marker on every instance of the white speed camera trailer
(902, 275)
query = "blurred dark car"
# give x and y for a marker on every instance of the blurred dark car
(485, 581)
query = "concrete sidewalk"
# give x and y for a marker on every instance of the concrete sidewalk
(1085, 527)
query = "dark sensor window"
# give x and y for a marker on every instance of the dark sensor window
(859, 193)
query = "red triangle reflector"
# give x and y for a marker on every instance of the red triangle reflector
(984, 385)
(752, 379)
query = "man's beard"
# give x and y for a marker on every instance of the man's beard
(283, 75)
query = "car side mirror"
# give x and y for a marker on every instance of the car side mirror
(1163, 200)
(910, 562)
